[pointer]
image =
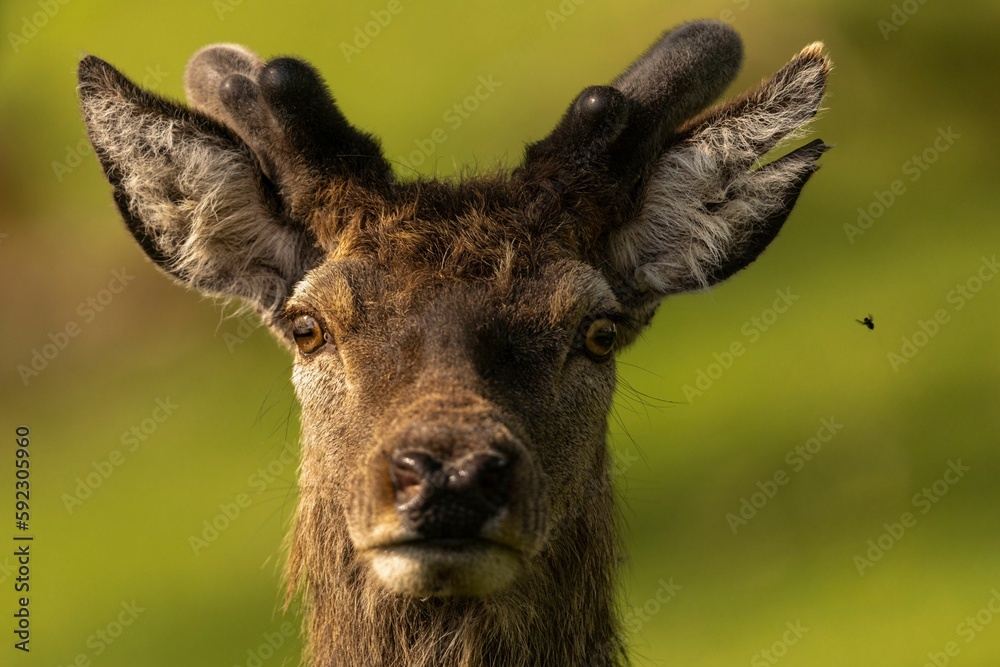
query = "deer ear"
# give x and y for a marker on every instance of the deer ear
(710, 207)
(192, 193)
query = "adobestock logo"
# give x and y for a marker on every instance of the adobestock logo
(797, 457)
(88, 310)
(365, 34)
(914, 168)
(967, 630)
(958, 298)
(130, 440)
(899, 16)
(779, 649)
(752, 330)
(923, 501)
(454, 117)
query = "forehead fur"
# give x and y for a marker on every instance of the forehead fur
(476, 228)
(556, 294)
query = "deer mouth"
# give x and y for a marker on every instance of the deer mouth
(440, 567)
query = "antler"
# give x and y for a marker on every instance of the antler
(284, 112)
(610, 134)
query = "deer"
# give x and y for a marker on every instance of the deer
(455, 339)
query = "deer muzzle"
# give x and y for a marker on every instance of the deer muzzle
(448, 506)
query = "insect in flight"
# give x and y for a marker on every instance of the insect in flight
(868, 322)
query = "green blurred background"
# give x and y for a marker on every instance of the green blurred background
(684, 465)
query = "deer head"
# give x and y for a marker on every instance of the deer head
(455, 342)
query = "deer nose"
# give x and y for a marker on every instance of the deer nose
(444, 499)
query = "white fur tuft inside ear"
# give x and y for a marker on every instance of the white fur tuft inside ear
(710, 197)
(192, 194)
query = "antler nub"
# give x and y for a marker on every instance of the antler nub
(594, 120)
(208, 69)
(610, 135)
(681, 74)
(283, 110)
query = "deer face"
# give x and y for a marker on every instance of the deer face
(454, 342)
(439, 411)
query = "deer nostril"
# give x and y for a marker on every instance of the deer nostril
(413, 474)
(449, 499)
(487, 475)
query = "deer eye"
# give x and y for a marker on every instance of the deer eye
(308, 334)
(600, 336)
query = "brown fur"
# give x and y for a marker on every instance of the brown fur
(454, 317)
